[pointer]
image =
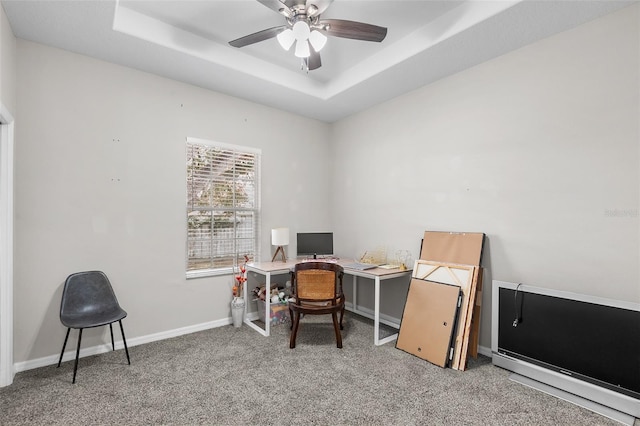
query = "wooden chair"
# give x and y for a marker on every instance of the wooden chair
(317, 290)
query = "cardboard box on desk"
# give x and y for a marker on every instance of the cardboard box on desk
(464, 248)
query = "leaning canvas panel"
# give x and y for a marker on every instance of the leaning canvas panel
(463, 248)
(474, 336)
(472, 309)
(464, 276)
(446, 273)
(428, 321)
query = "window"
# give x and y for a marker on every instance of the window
(223, 206)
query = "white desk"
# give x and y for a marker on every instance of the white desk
(376, 274)
(267, 269)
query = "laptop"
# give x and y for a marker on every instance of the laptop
(360, 266)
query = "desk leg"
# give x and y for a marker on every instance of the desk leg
(246, 305)
(376, 313)
(267, 310)
(267, 305)
(354, 301)
(245, 286)
(376, 320)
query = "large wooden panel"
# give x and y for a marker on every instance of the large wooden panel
(460, 248)
(428, 321)
(474, 337)
(452, 247)
(465, 277)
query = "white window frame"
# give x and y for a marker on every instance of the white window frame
(196, 273)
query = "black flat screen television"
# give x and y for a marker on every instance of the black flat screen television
(315, 244)
(576, 337)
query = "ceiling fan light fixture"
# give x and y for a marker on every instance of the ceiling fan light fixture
(302, 49)
(301, 30)
(312, 10)
(305, 28)
(286, 39)
(317, 40)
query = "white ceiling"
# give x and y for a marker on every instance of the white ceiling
(187, 40)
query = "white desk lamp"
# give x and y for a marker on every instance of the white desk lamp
(280, 237)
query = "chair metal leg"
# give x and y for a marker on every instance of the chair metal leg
(124, 340)
(64, 345)
(113, 345)
(75, 367)
(292, 340)
(337, 329)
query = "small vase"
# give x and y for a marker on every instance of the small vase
(237, 311)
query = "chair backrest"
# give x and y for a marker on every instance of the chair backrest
(86, 293)
(317, 281)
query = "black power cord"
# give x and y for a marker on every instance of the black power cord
(518, 312)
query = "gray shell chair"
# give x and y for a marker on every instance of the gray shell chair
(88, 301)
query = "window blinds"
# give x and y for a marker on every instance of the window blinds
(222, 204)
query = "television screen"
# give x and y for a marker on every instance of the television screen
(596, 343)
(315, 243)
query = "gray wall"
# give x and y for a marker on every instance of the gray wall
(100, 184)
(539, 149)
(7, 63)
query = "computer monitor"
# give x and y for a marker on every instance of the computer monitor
(315, 243)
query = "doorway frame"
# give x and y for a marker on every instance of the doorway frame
(7, 370)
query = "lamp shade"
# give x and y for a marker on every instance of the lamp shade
(280, 236)
(302, 49)
(286, 39)
(301, 30)
(317, 40)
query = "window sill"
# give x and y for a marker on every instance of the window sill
(204, 273)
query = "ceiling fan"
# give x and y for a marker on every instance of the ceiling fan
(304, 28)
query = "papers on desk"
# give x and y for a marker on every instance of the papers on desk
(360, 266)
(389, 266)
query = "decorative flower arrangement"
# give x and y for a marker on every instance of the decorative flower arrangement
(240, 279)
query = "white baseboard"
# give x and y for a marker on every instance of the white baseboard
(370, 313)
(483, 350)
(95, 350)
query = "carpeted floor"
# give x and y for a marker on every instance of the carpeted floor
(234, 376)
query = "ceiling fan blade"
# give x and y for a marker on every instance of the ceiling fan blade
(313, 61)
(352, 29)
(257, 37)
(277, 6)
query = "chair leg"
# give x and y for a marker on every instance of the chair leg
(113, 346)
(124, 340)
(337, 329)
(291, 316)
(64, 345)
(75, 367)
(296, 321)
(341, 317)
